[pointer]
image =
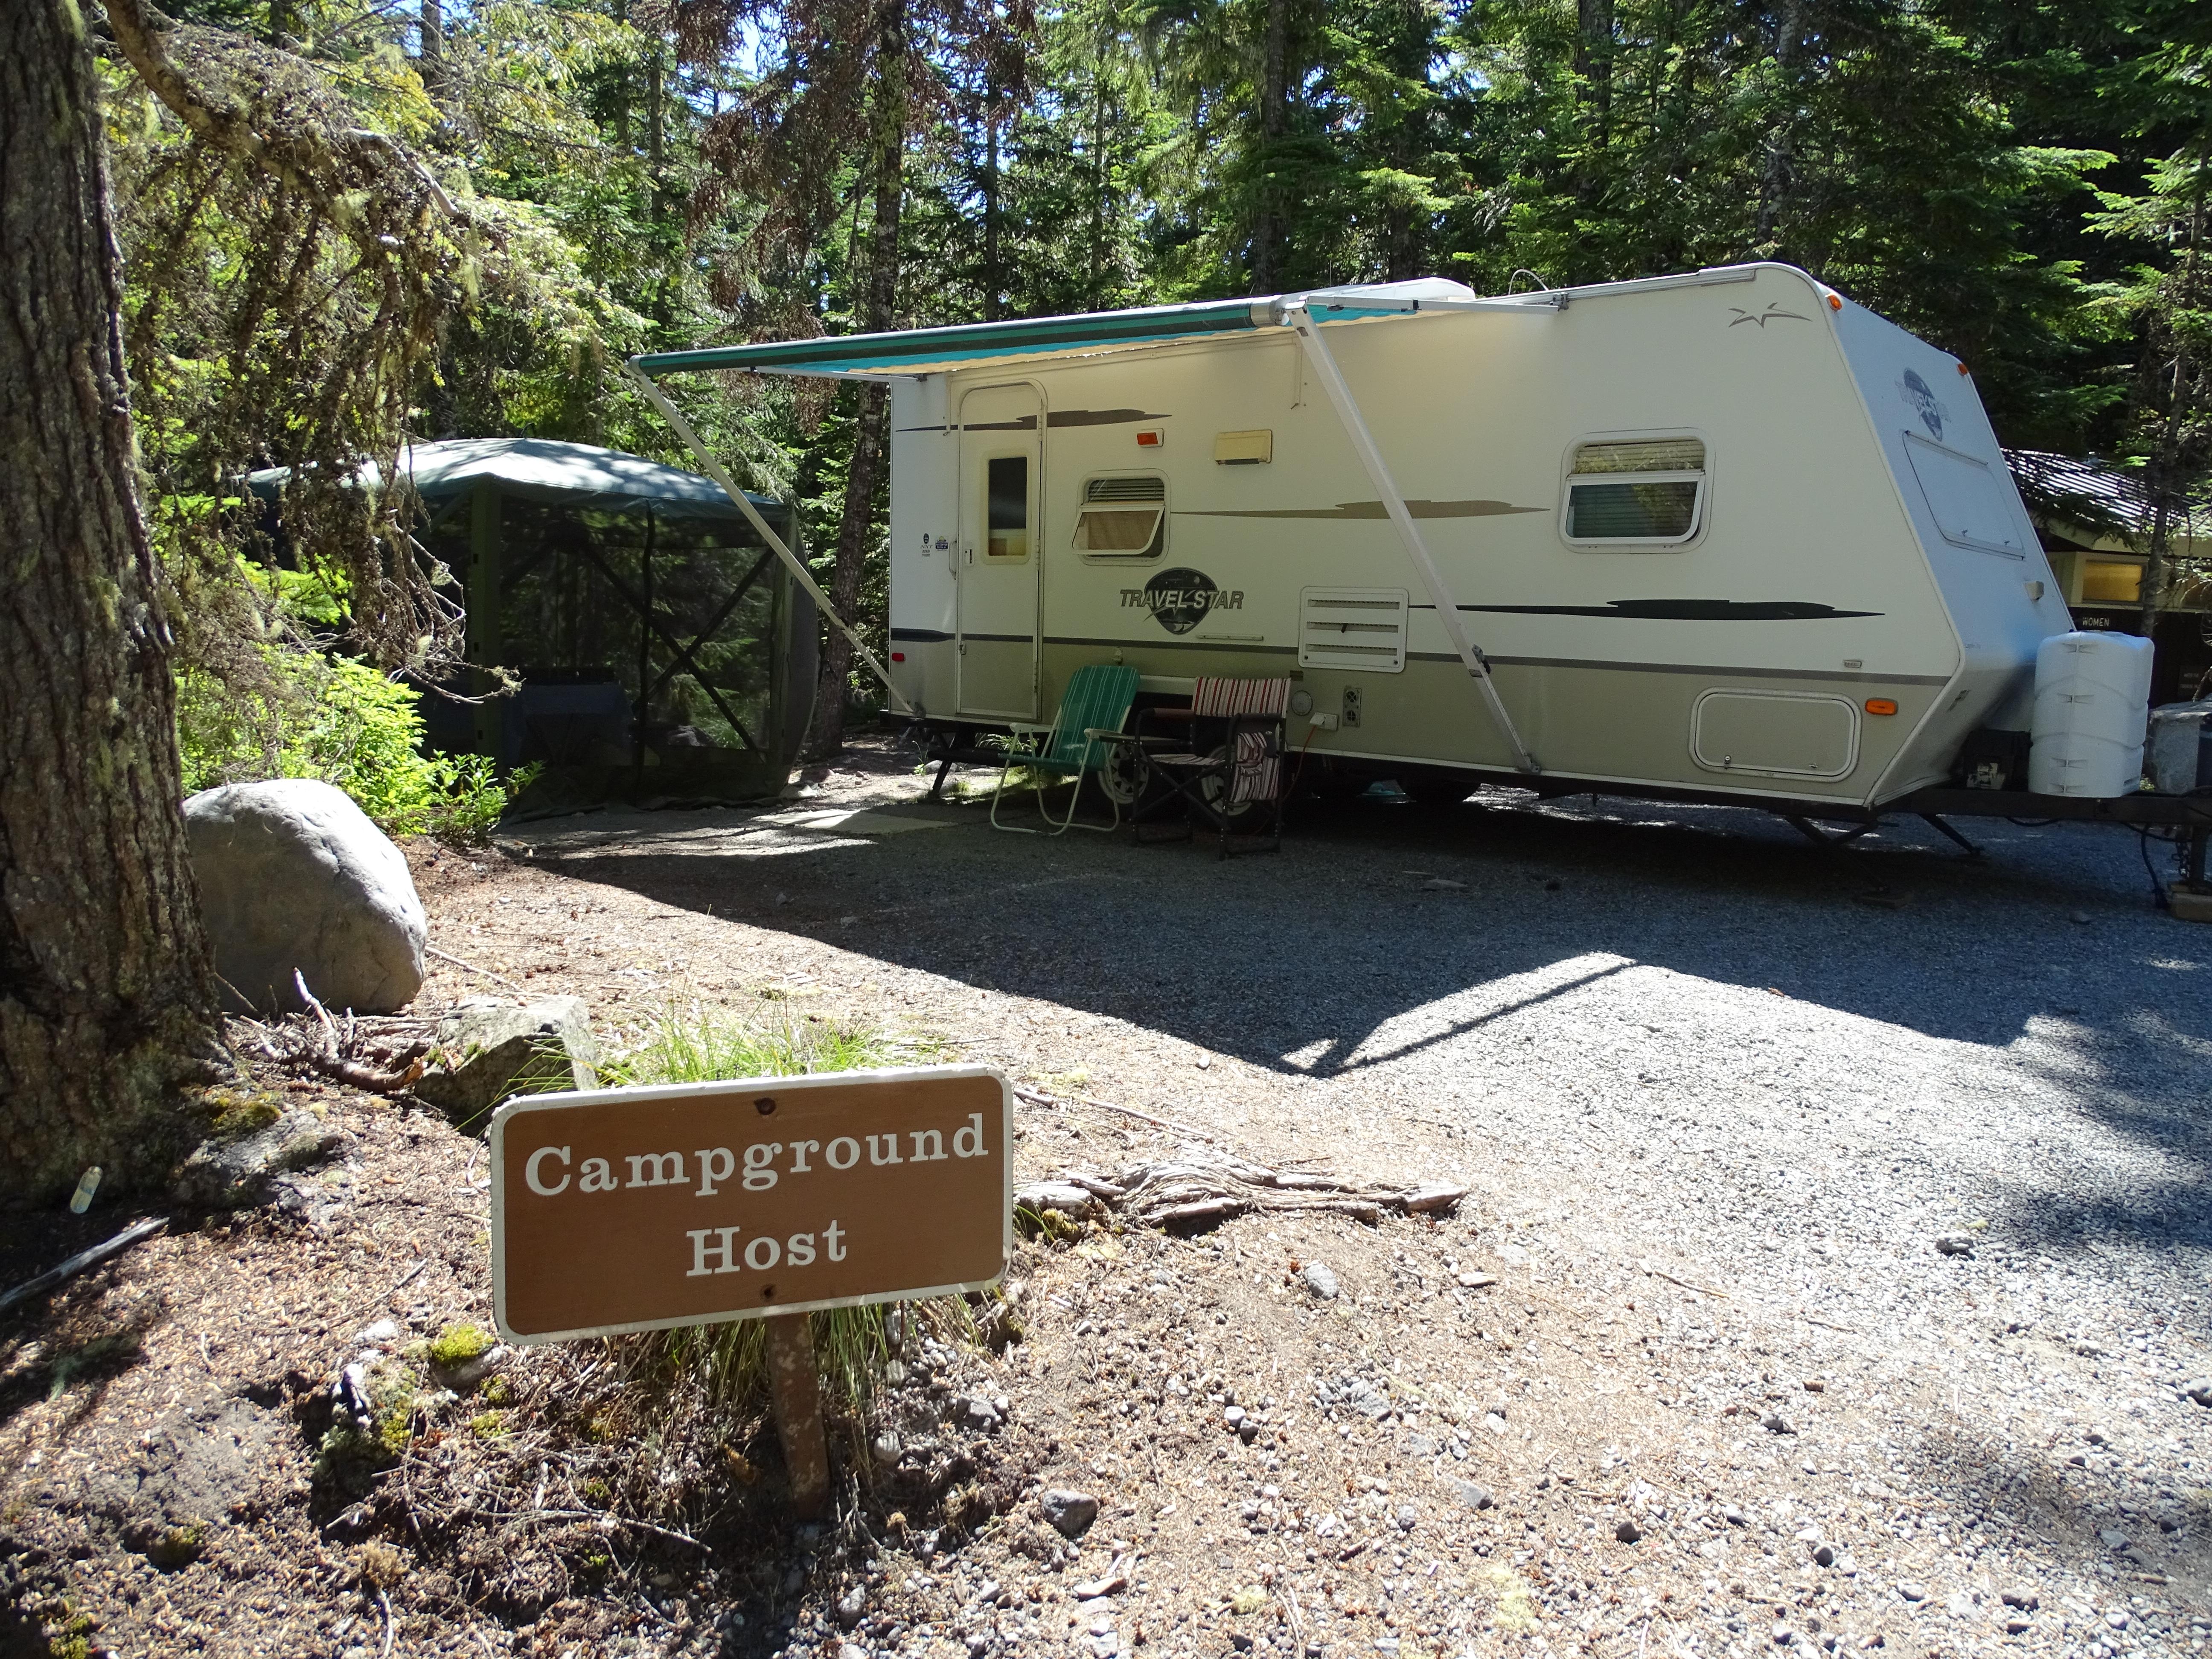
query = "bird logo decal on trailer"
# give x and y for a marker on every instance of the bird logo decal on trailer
(1774, 312)
(1921, 397)
(1180, 600)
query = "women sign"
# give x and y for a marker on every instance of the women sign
(633, 1209)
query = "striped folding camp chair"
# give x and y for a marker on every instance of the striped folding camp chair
(1082, 737)
(1236, 785)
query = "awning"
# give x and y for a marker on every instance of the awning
(934, 350)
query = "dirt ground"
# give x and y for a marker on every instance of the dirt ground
(1541, 1425)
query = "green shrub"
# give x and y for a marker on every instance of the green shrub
(335, 719)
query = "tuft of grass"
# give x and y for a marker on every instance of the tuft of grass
(700, 1045)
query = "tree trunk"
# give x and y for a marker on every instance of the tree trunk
(2167, 474)
(1778, 172)
(887, 121)
(1274, 122)
(106, 995)
(994, 280)
(430, 62)
(1594, 64)
(1099, 180)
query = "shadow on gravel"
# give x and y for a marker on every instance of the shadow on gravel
(1263, 956)
(2046, 1522)
(2166, 1213)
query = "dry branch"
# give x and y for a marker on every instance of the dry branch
(1201, 1187)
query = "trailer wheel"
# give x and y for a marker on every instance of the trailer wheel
(1237, 816)
(1125, 776)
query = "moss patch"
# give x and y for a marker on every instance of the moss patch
(237, 1113)
(457, 1344)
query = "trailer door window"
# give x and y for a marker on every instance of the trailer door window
(1008, 484)
(1122, 517)
(1643, 490)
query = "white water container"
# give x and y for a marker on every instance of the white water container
(2091, 709)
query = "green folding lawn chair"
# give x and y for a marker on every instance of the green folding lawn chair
(1080, 741)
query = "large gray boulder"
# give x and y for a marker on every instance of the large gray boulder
(294, 879)
(488, 1049)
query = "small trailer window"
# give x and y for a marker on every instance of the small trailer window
(1007, 485)
(1650, 490)
(1125, 517)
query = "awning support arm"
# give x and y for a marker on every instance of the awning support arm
(714, 469)
(1297, 317)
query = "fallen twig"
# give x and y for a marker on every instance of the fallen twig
(1131, 1111)
(368, 1077)
(605, 1519)
(391, 1624)
(1038, 1098)
(1702, 1290)
(329, 1030)
(458, 962)
(84, 1258)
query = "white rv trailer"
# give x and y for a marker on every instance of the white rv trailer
(1723, 535)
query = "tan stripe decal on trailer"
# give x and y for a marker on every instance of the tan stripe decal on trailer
(1343, 510)
(1232, 647)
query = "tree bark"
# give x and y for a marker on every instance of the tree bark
(107, 998)
(2166, 472)
(1098, 178)
(1274, 124)
(1778, 172)
(888, 116)
(1594, 64)
(994, 280)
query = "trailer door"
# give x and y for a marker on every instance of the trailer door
(998, 561)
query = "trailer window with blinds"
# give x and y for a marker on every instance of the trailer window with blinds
(1635, 492)
(1123, 517)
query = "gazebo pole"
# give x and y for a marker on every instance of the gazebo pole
(644, 657)
(484, 635)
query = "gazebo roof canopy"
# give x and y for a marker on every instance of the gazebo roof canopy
(578, 475)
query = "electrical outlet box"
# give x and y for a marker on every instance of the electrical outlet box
(1324, 722)
(1352, 705)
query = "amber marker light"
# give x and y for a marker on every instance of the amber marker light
(1881, 706)
(1835, 302)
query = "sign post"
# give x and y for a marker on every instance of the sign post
(642, 1209)
(795, 1392)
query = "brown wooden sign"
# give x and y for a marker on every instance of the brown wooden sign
(687, 1204)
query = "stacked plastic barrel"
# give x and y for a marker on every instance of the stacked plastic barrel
(2091, 709)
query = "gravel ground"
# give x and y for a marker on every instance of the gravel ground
(1686, 1062)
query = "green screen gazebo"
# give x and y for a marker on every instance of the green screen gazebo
(666, 654)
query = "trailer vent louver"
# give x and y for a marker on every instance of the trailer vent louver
(1125, 489)
(1359, 627)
